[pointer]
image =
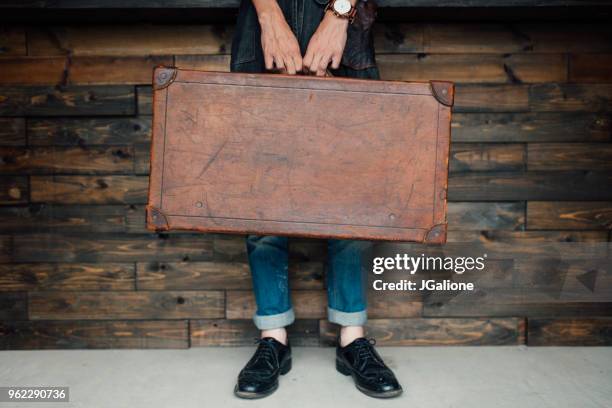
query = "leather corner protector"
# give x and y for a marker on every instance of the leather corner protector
(163, 77)
(156, 220)
(443, 91)
(436, 235)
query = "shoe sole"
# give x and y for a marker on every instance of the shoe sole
(256, 395)
(344, 370)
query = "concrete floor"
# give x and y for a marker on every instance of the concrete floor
(492, 377)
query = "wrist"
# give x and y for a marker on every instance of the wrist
(269, 14)
(334, 19)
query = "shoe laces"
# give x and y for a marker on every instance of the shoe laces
(367, 359)
(365, 350)
(265, 351)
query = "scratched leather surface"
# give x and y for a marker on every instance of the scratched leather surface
(301, 156)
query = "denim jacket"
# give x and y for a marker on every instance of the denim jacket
(303, 16)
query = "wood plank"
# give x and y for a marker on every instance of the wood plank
(142, 159)
(129, 40)
(392, 38)
(6, 248)
(68, 101)
(569, 156)
(12, 132)
(232, 248)
(134, 334)
(222, 332)
(64, 218)
(467, 38)
(66, 276)
(13, 189)
(491, 98)
(393, 305)
(528, 37)
(486, 216)
(439, 332)
(504, 302)
(531, 185)
(80, 70)
(474, 68)
(67, 159)
(125, 305)
(521, 241)
(569, 215)
(33, 71)
(312, 304)
(218, 275)
(504, 244)
(89, 131)
(193, 275)
(532, 127)
(55, 247)
(590, 68)
(555, 280)
(144, 100)
(566, 37)
(307, 249)
(115, 71)
(13, 305)
(307, 304)
(570, 332)
(89, 189)
(467, 157)
(571, 97)
(12, 40)
(534, 285)
(220, 63)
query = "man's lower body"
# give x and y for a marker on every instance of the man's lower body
(268, 255)
(268, 259)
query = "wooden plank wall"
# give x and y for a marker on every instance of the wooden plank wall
(531, 163)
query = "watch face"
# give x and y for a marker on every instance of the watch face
(342, 6)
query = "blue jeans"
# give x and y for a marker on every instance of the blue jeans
(346, 282)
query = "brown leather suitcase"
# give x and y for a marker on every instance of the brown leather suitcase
(299, 155)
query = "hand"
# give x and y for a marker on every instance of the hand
(326, 45)
(280, 47)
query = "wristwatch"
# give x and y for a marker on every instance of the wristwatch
(342, 9)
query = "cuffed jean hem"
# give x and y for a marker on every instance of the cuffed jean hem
(274, 321)
(347, 318)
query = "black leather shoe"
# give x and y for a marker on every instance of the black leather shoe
(259, 378)
(372, 377)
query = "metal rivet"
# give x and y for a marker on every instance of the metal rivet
(444, 91)
(391, 216)
(199, 204)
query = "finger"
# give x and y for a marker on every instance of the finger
(307, 61)
(323, 64)
(336, 61)
(289, 64)
(314, 67)
(297, 60)
(269, 61)
(278, 61)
